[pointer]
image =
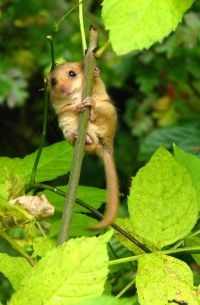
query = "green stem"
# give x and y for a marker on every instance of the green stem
(194, 234)
(42, 139)
(101, 50)
(125, 289)
(80, 10)
(124, 260)
(131, 238)
(45, 116)
(40, 228)
(15, 246)
(89, 66)
(191, 250)
(53, 63)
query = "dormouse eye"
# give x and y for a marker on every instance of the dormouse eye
(53, 81)
(72, 73)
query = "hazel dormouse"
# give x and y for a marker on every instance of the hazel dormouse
(65, 85)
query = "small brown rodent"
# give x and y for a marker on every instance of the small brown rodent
(65, 85)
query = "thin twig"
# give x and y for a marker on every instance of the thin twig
(57, 24)
(89, 66)
(53, 63)
(96, 213)
(15, 246)
(125, 289)
(81, 23)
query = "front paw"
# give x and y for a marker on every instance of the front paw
(80, 107)
(88, 102)
(96, 72)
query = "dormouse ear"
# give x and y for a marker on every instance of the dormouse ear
(46, 82)
(81, 65)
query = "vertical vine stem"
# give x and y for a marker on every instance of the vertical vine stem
(42, 139)
(84, 44)
(44, 127)
(53, 63)
(89, 66)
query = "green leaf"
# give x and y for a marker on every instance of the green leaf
(55, 161)
(198, 294)
(14, 185)
(108, 300)
(80, 221)
(91, 195)
(79, 226)
(125, 224)
(162, 204)
(70, 273)
(136, 24)
(186, 137)
(41, 245)
(193, 241)
(192, 165)
(162, 279)
(14, 268)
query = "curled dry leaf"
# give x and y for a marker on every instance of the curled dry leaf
(38, 206)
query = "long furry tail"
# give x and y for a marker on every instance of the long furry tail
(112, 190)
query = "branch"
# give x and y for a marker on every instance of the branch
(89, 66)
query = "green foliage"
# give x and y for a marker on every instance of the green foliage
(192, 164)
(41, 245)
(186, 137)
(173, 280)
(157, 93)
(106, 300)
(13, 85)
(163, 192)
(142, 23)
(127, 225)
(14, 268)
(68, 274)
(163, 206)
(81, 221)
(18, 171)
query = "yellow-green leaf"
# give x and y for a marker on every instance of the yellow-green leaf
(75, 271)
(137, 24)
(163, 203)
(164, 280)
(14, 268)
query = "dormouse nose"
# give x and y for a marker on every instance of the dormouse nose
(64, 89)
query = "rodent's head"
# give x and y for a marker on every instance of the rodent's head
(66, 80)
